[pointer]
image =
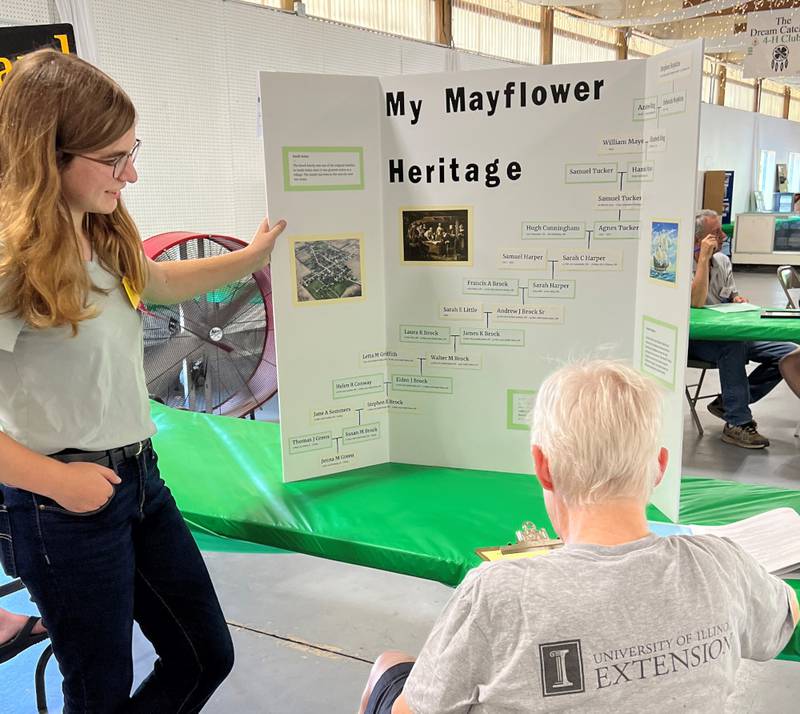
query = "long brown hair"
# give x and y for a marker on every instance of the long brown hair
(52, 106)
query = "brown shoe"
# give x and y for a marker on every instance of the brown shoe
(745, 436)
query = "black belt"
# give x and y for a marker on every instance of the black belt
(109, 457)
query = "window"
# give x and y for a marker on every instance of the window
(502, 28)
(577, 40)
(511, 29)
(794, 105)
(641, 46)
(408, 18)
(794, 172)
(739, 92)
(766, 175)
(771, 98)
(709, 81)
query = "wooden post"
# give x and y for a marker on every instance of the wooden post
(787, 101)
(622, 44)
(444, 22)
(722, 78)
(287, 5)
(546, 43)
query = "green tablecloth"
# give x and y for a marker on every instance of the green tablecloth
(705, 324)
(226, 477)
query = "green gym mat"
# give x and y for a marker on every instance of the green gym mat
(225, 474)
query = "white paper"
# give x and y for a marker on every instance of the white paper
(772, 538)
(734, 307)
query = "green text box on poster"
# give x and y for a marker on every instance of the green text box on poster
(425, 334)
(323, 168)
(499, 337)
(422, 383)
(354, 386)
(598, 172)
(309, 442)
(519, 403)
(626, 230)
(363, 432)
(658, 357)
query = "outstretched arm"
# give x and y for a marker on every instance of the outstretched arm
(171, 282)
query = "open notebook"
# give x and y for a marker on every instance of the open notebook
(772, 538)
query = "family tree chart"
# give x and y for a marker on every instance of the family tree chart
(454, 238)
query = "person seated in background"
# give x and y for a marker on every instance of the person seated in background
(617, 620)
(712, 284)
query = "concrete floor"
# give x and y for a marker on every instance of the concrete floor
(307, 629)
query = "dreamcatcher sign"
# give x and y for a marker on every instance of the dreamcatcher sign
(774, 49)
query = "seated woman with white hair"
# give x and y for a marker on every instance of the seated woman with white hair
(619, 619)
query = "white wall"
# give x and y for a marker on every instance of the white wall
(780, 135)
(191, 67)
(731, 140)
(726, 144)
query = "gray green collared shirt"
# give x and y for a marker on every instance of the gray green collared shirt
(85, 392)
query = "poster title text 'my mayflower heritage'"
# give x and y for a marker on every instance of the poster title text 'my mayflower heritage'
(514, 95)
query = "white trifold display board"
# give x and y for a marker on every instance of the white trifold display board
(454, 238)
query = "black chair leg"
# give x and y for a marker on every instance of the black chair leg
(693, 399)
(695, 418)
(41, 667)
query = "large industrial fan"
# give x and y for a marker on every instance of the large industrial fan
(214, 353)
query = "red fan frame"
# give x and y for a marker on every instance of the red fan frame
(263, 382)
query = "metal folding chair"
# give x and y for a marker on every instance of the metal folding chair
(789, 279)
(41, 666)
(695, 397)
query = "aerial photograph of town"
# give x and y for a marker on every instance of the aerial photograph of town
(328, 269)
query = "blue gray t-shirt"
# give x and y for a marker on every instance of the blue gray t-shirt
(721, 286)
(656, 625)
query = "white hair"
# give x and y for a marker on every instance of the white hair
(598, 423)
(700, 222)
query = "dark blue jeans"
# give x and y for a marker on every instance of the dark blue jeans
(93, 575)
(738, 389)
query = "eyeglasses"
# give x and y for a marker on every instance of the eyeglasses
(119, 164)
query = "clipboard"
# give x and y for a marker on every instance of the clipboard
(785, 313)
(531, 543)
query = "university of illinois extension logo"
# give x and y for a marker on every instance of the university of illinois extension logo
(562, 667)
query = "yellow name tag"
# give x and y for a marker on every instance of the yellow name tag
(133, 296)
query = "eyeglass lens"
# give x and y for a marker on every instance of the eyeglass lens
(122, 162)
